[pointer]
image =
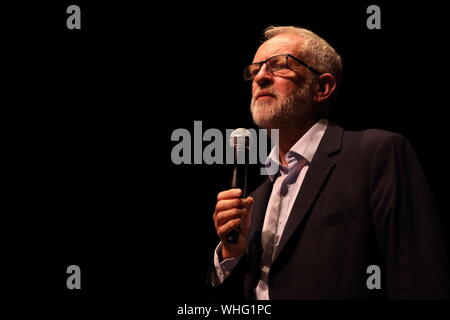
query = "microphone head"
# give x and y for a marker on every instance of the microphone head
(240, 139)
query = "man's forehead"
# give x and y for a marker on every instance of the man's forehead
(281, 44)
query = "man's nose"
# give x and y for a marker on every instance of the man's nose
(264, 77)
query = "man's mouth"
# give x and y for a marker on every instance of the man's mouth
(264, 95)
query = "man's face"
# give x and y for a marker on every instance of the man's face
(280, 100)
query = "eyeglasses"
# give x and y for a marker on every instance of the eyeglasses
(277, 65)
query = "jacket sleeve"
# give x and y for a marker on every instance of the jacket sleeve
(232, 288)
(407, 223)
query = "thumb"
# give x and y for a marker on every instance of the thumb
(248, 202)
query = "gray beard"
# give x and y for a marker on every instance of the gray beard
(287, 112)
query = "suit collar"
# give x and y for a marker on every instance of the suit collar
(305, 148)
(332, 139)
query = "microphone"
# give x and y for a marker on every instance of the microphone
(240, 142)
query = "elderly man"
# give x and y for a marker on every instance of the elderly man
(343, 204)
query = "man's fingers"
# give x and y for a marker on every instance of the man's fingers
(223, 205)
(234, 203)
(224, 216)
(223, 230)
(229, 194)
(247, 202)
(230, 209)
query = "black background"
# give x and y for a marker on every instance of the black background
(89, 115)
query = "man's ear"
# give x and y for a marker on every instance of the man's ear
(325, 87)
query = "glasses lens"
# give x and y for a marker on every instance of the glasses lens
(274, 64)
(277, 63)
(251, 71)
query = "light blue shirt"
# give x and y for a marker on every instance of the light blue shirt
(286, 185)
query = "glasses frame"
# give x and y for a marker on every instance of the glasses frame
(307, 66)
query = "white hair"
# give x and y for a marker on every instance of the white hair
(316, 52)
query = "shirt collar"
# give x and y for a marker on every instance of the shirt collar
(305, 147)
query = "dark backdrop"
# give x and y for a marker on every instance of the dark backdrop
(90, 114)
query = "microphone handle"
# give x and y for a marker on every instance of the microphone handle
(239, 180)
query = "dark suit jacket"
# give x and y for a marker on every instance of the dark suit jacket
(364, 201)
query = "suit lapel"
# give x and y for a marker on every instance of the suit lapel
(319, 169)
(254, 250)
(261, 196)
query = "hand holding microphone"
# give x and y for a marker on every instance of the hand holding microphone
(232, 211)
(231, 216)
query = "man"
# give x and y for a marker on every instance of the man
(341, 203)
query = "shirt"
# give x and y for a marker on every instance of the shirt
(286, 185)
